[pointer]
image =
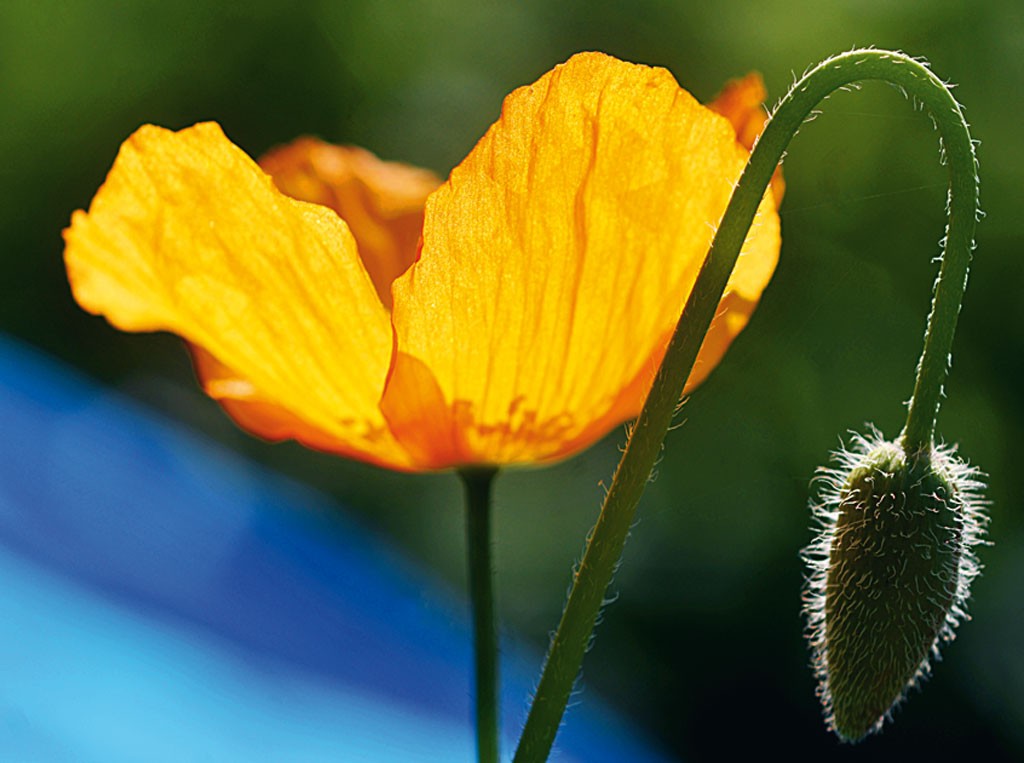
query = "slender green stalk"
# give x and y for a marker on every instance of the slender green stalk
(609, 534)
(477, 483)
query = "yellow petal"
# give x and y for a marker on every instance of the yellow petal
(556, 261)
(382, 202)
(189, 235)
(742, 103)
(260, 415)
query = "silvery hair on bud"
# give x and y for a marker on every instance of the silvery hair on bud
(890, 570)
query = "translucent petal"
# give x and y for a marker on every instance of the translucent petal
(556, 261)
(189, 235)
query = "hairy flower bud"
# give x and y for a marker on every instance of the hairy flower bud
(890, 572)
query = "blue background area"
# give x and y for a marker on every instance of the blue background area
(165, 600)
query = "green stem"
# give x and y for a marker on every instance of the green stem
(477, 483)
(608, 537)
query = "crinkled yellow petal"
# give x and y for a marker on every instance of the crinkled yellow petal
(382, 202)
(742, 103)
(189, 235)
(556, 261)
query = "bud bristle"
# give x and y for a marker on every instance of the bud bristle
(890, 574)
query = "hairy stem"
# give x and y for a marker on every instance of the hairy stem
(608, 537)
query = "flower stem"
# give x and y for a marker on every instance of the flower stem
(477, 484)
(608, 537)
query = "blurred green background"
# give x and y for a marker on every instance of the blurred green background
(703, 646)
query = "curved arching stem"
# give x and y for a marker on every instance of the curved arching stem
(608, 537)
(917, 81)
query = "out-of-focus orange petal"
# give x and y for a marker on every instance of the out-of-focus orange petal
(555, 264)
(742, 103)
(189, 235)
(382, 202)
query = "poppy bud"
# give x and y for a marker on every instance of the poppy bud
(889, 574)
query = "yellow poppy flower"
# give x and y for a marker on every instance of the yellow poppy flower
(550, 270)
